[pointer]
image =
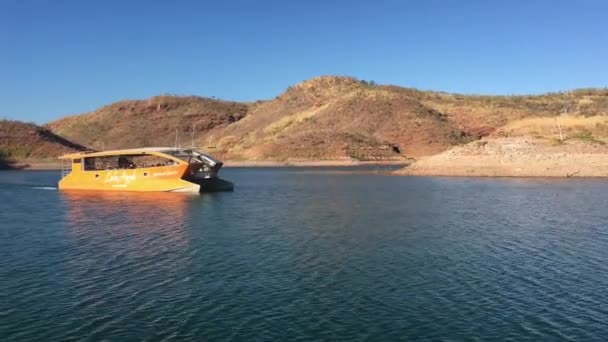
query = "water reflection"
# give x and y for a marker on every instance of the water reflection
(134, 219)
(119, 244)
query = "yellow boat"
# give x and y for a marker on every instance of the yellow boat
(143, 169)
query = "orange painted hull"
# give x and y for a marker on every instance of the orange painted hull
(161, 178)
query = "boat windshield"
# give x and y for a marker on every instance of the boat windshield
(194, 157)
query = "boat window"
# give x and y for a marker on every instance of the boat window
(148, 160)
(125, 162)
(100, 163)
(89, 164)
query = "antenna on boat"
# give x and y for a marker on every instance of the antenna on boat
(177, 142)
(192, 142)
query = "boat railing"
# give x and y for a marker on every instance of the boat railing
(66, 167)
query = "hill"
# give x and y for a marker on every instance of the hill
(335, 118)
(25, 142)
(340, 117)
(327, 118)
(152, 122)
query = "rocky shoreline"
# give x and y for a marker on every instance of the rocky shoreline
(516, 157)
(489, 157)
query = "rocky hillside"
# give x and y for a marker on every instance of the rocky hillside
(151, 122)
(21, 141)
(482, 115)
(557, 146)
(323, 118)
(333, 118)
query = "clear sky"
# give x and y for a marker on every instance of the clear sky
(67, 57)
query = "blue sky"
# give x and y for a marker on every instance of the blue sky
(67, 57)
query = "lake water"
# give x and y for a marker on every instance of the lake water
(306, 254)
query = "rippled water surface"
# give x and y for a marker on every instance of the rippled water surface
(306, 254)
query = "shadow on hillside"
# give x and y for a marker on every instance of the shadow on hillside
(50, 136)
(6, 164)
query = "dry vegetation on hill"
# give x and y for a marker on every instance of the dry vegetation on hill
(588, 128)
(332, 117)
(482, 115)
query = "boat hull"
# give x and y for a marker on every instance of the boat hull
(166, 178)
(215, 185)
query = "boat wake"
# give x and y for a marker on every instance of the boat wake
(27, 186)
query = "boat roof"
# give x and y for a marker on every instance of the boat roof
(140, 150)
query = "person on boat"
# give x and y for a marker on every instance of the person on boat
(124, 163)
